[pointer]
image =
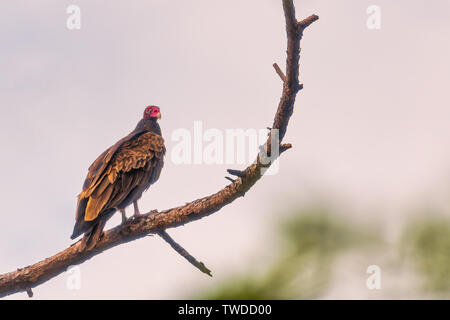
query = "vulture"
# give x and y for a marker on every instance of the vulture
(118, 177)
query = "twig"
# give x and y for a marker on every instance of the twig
(279, 72)
(178, 248)
(40, 272)
(285, 147)
(237, 173)
(306, 22)
(29, 292)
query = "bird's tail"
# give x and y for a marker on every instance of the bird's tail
(81, 227)
(91, 238)
(92, 230)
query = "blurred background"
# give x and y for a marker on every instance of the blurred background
(367, 182)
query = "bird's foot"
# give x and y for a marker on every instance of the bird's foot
(137, 213)
(124, 216)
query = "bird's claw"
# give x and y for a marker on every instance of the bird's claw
(137, 215)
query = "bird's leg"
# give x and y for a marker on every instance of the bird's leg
(137, 213)
(124, 215)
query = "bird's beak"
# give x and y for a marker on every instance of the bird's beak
(159, 115)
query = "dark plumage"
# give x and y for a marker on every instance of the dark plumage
(119, 176)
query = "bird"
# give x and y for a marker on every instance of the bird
(118, 177)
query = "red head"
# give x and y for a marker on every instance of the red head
(152, 112)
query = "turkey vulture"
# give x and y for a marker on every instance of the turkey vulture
(119, 176)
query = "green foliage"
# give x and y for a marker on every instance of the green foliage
(311, 239)
(427, 241)
(309, 242)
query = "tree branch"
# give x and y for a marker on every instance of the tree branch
(155, 222)
(279, 72)
(178, 248)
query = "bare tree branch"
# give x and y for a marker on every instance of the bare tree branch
(178, 248)
(279, 72)
(155, 222)
(237, 173)
(229, 179)
(306, 22)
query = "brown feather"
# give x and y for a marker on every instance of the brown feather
(119, 171)
(95, 205)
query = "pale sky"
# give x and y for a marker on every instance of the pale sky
(371, 127)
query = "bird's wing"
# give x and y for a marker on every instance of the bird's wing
(98, 166)
(116, 173)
